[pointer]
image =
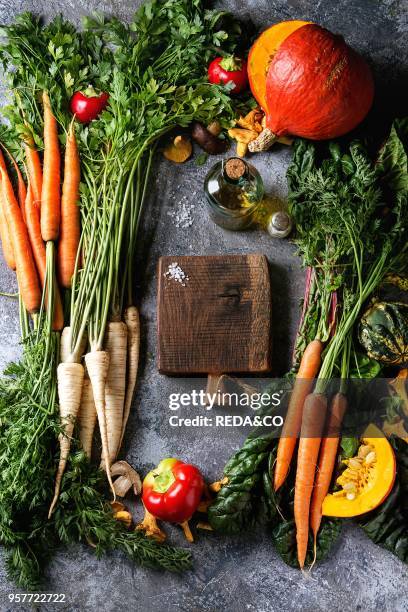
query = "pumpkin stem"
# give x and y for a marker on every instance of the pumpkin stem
(264, 141)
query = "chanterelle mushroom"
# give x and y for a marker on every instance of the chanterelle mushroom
(127, 478)
(150, 527)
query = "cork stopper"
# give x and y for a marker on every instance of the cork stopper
(235, 168)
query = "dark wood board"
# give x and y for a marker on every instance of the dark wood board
(220, 320)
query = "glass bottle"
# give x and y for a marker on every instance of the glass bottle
(234, 190)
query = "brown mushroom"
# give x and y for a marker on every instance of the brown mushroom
(127, 478)
(242, 135)
(218, 484)
(203, 525)
(187, 531)
(214, 127)
(117, 506)
(252, 121)
(206, 140)
(150, 527)
(179, 150)
(123, 516)
(243, 138)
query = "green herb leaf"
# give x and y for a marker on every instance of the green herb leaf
(201, 159)
(349, 447)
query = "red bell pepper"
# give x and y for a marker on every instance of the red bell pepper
(229, 69)
(87, 105)
(172, 492)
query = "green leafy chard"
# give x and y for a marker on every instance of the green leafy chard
(240, 503)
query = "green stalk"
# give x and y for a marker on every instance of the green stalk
(137, 207)
(376, 273)
(105, 309)
(49, 295)
(23, 317)
(96, 268)
(345, 365)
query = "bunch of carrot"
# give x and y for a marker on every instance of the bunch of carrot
(314, 417)
(311, 427)
(30, 219)
(40, 226)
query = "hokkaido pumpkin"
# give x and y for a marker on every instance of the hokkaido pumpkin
(367, 480)
(315, 86)
(262, 53)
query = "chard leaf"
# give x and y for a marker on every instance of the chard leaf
(349, 446)
(284, 538)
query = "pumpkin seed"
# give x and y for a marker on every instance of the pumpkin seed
(371, 457)
(349, 486)
(364, 450)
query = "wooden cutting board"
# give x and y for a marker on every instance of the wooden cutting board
(219, 319)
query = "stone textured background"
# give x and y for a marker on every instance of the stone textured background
(243, 574)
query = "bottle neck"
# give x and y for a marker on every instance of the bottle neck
(234, 169)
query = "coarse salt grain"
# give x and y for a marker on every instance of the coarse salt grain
(181, 215)
(176, 273)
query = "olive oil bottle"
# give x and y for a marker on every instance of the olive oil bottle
(234, 192)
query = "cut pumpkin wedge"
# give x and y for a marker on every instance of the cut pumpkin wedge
(367, 479)
(262, 53)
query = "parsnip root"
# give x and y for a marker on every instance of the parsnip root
(65, 346)
(97, 364)
(70, 377)
(132, 321)
(87, 417)
(116, 346)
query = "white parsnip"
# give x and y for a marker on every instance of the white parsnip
(70, 377)
(116, 345)
(132, 321)
(97, 364)
(65, 346)
(87, 416)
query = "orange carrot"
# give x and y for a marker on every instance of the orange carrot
(32, 212)
(2, 162)
(21, 186)
(70, 218)
(5, 238)
(308, 369)
(4, 230)
(50, 193)
(327, 460)
(29, 286)
(34, 169)
(314, 414)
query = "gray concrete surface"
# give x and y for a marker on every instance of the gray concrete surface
(242, 574)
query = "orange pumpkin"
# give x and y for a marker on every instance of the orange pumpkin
(367, 480)
(262, 53)
(309, 82)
